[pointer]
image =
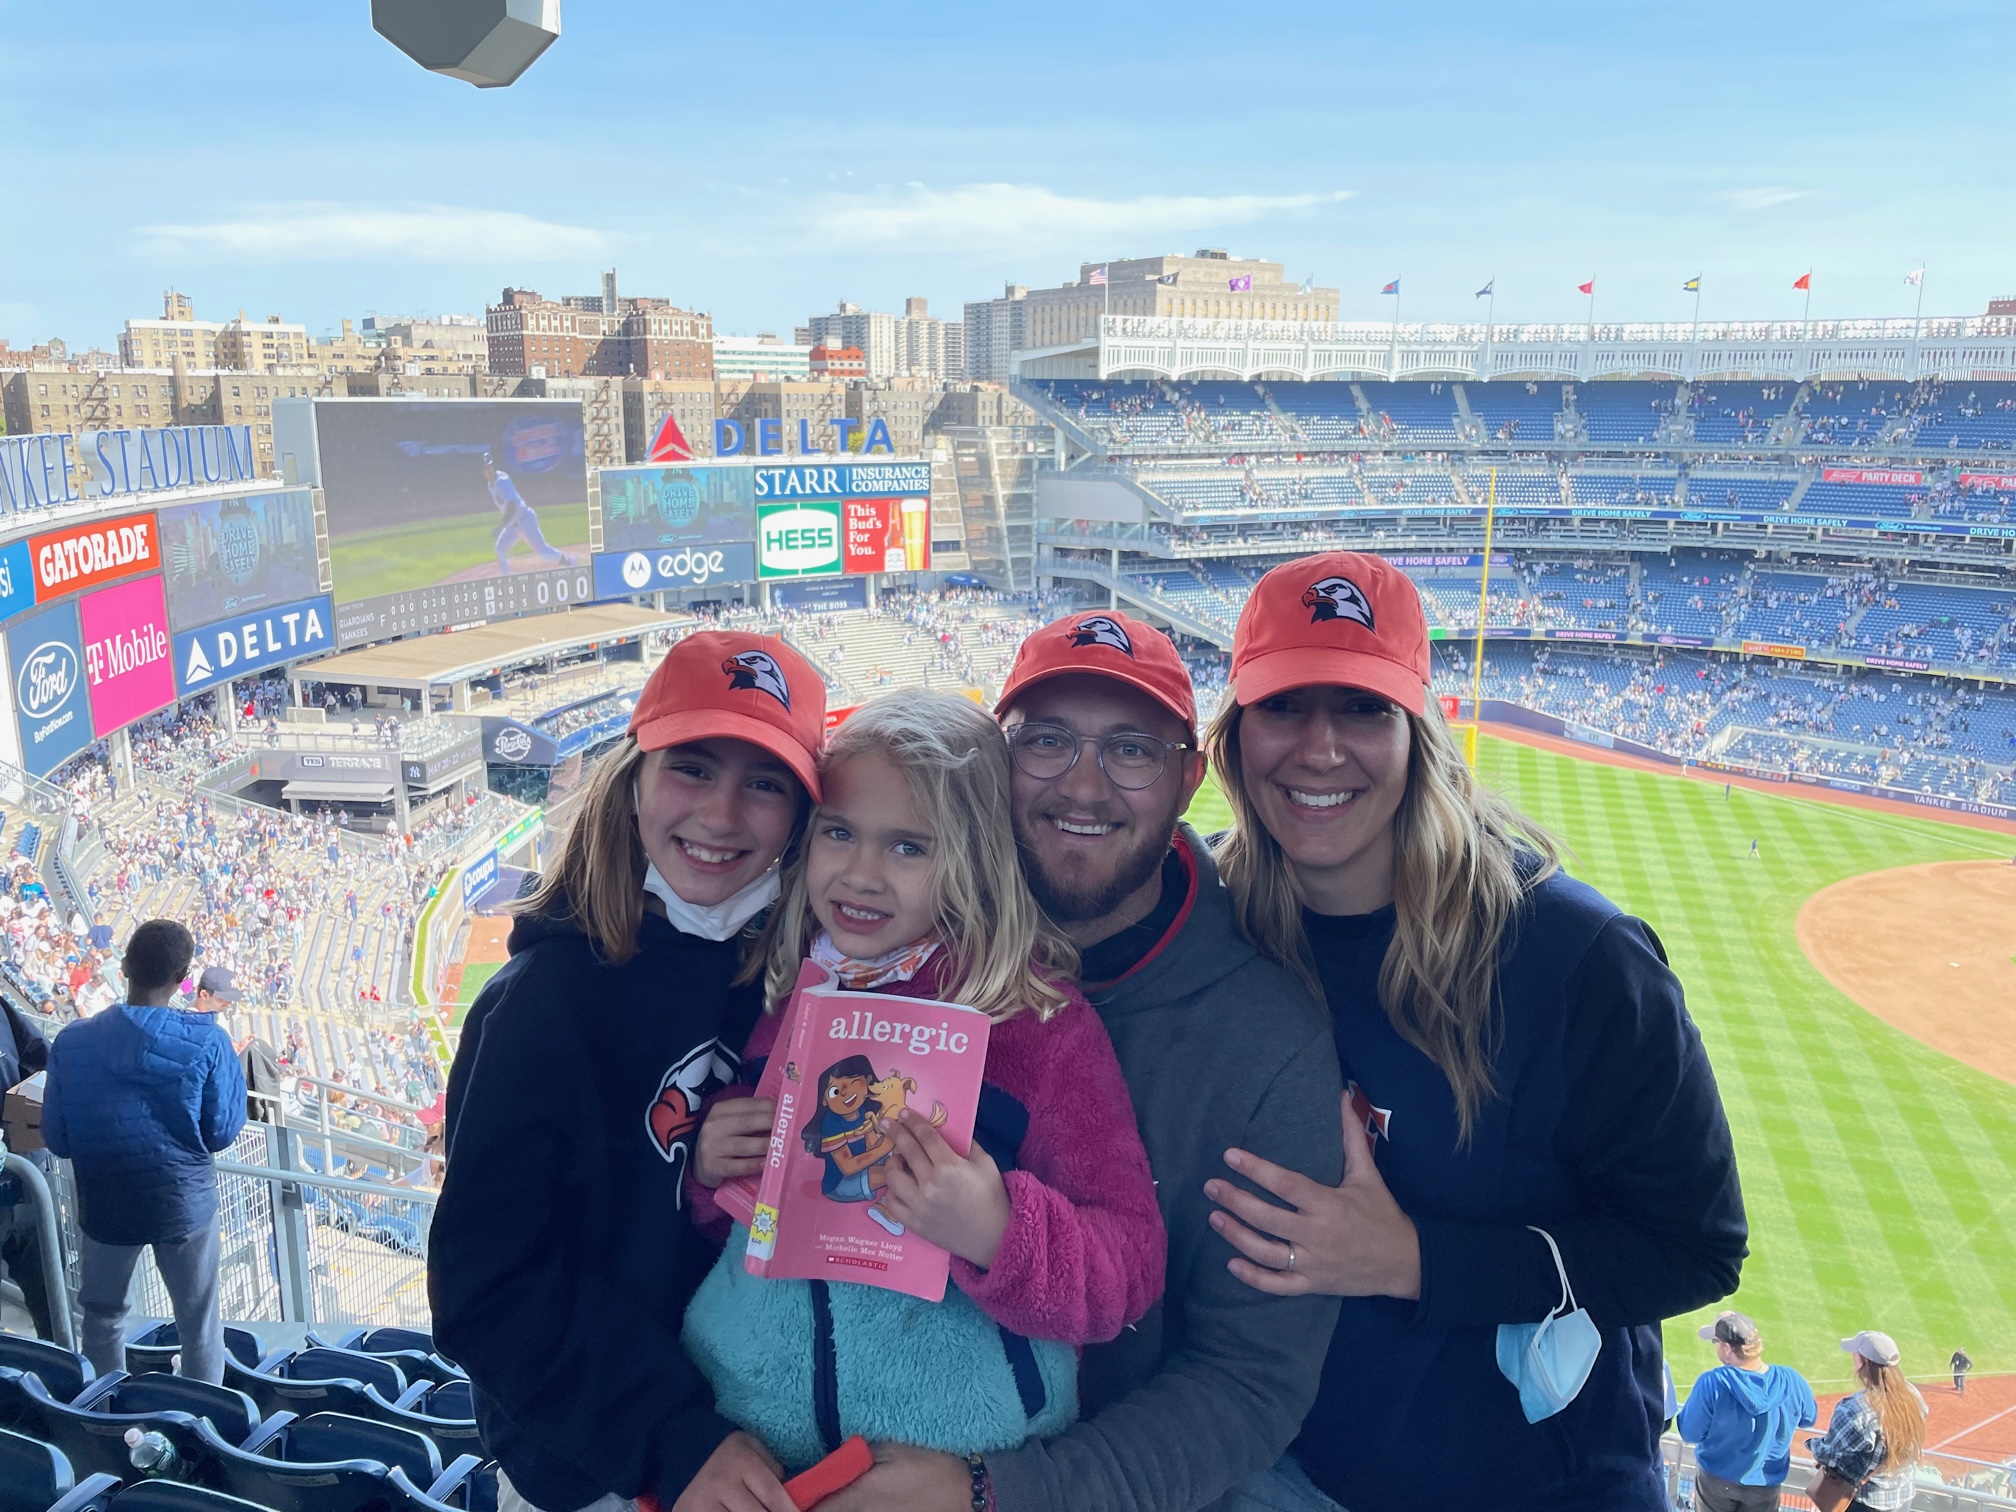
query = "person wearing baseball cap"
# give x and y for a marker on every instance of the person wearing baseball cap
(216, 990)
(1531, 1128)
(1101, 723)
(1867, 1459)
(1740, 1417)
(562, 1261)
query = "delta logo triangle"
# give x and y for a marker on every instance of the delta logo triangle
(671, 445)
(199, 664)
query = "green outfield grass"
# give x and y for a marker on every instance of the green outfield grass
(474, 975)
(1880, 1175)
(427, 552)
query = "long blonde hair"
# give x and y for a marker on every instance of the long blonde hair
(598, 882)
(1003, 953)
(1462, 859)
(1900, 1413)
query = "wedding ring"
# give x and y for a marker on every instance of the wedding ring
(1291, 1257)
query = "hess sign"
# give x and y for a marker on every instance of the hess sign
(798, 540)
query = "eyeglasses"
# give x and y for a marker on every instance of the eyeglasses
(1130, 760)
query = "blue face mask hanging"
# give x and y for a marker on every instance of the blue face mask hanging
(1550, 1361)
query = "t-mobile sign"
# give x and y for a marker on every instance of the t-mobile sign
(126, 662)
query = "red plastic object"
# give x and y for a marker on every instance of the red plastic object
(842, 1467)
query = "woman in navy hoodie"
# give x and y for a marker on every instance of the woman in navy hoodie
(561, 1261)
(1537, 1165)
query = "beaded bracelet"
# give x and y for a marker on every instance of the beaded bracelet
(983, 1483)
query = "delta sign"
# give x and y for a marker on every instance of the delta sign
(215, 653)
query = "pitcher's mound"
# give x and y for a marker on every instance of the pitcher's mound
(1928, 949)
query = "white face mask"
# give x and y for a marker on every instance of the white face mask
(1550, 1361)
(719, 921)
(722, 920)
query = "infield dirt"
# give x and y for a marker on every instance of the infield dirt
(1930, 950)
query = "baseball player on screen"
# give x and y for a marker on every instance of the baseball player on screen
(520, 523)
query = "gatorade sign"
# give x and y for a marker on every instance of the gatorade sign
(84, 556)
(214, 653)
(798, 540)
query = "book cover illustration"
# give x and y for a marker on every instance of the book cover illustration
(844, 1064)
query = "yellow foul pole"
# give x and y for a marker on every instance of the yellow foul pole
(1483, 612)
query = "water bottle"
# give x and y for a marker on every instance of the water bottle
(151, 1454)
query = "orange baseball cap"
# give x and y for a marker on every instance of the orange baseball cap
(1107, 643)
(1341, 619)
(732, 685)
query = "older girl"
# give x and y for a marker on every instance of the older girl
(561, 1263)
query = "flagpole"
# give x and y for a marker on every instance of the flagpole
(1806, 319)
(1393, 346)
(1592, 312)
(1695, 335)
(1490, 320)
(1918, 313)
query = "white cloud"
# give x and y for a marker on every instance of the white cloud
(1766, 198)
(325, 232)
(988, 217)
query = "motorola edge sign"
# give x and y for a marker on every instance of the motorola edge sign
(618, 574)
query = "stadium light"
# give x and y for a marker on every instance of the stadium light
(488, 43)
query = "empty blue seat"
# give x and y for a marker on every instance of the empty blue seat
(275, 1389)
(348, 1364)
(448, 1419)
(174, 1496)
(63, 1372)
(155, 1348)
(333, 1463)
(36, 1477)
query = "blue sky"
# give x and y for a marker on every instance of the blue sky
(762, 162)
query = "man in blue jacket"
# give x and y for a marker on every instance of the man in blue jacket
(139, 1099)
(1740, 1418)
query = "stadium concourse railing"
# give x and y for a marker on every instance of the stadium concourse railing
(1946, 1482)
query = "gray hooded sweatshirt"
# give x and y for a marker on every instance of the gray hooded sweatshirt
(1220, 1047)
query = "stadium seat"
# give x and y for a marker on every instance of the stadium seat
(63, 1372)
(331, 1462)
(36, 1477)
(174, 1496)
(329, 1382)
(92, 1430)
(155, 1348)
(443, 1412)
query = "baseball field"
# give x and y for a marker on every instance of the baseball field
(452, 549)
(1879, 1172)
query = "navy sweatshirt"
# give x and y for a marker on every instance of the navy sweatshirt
(1607, 1131)
(561, 1260)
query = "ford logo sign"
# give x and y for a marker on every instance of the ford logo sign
(48, 678)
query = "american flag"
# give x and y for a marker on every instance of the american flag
(1098, 276)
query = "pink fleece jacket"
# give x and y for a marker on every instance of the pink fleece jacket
(1084, 1252)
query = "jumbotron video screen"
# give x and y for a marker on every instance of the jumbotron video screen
(450, 512)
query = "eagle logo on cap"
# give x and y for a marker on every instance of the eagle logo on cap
(758, 669)
(1335, 598)
(1099, 630)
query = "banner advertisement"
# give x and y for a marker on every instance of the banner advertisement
(842, 480)
(17, 580)
(51, 708)
(126, 662)
(886, 535)
(429, 773)
(1904, 663)
(478, 875)
(620, 574)
(647, 507)
(1680, 640)
(69, 561)
(364, 769)
(515, 744)
(1894, 477)
(1587, 635)
(230, 556)
(1988, 480)
(211, 654)
(822, 595)
(1772, 648)
(798, 540)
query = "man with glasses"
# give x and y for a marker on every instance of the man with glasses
(1220, 1047)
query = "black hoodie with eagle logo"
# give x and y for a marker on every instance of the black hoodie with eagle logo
(561, 1258)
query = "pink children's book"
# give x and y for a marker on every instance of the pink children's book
(845, 1062)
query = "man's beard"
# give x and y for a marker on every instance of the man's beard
(1076, 899)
